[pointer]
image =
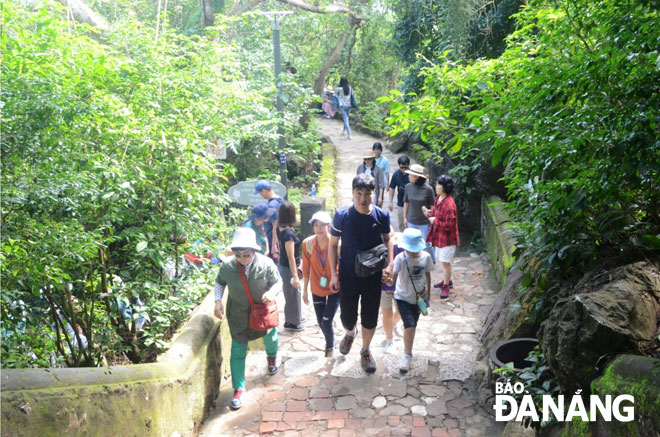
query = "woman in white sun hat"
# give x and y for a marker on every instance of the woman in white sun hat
(264, 284)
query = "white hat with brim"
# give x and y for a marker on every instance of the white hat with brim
(244, 238)
(412, 240)
(416, 170)
(322, 217)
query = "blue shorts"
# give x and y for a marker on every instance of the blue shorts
(409, 313)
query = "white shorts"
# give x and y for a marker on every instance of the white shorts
(445, 254)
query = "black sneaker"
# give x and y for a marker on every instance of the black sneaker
(292, 327)
(346, 343)
(367, 361)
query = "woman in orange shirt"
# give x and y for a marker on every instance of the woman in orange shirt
(316, 270)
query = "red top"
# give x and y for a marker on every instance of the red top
(444, 229)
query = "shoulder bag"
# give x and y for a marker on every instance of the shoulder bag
(263, 316)
(371, 261)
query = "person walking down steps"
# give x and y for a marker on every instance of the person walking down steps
(346, 99)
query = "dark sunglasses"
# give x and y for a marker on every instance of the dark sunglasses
(242, 254)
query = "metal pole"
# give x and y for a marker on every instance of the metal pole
(276, 17)
(280, 105)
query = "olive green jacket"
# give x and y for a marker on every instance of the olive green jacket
(262, 277)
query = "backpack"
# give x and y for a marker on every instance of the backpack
(307, 243)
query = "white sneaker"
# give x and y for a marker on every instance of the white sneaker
(398, 329)
(389, 346)
(405, 363)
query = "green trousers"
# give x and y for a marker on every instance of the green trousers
(239, 352)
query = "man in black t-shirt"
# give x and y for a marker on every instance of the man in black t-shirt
(399, 181)
(360, 227)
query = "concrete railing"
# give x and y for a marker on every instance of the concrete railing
(499, 239)
(169, 397)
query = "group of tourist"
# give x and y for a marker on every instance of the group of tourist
(353, 261)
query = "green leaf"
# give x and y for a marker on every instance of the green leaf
(141, 246)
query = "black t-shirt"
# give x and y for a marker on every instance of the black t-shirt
(399, 180)
(283, 236)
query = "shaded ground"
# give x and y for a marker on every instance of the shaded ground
(313, 395)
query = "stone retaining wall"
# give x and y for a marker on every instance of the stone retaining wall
(327, 186)
(169, 397)
(498, 237)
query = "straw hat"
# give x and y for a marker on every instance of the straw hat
(244, 238)
(417, 170)
(368, 154)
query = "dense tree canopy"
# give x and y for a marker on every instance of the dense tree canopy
(107, 177)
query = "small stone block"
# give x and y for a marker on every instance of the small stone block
(335, 423)
(267, 427)
(296, 406)
(420, 431)
(393, 420)
(271, 416)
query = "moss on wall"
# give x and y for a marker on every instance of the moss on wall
(500, 242)
(327, 180)
(164, 398)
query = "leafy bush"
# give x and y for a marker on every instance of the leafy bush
(107, 179)
(571, 109)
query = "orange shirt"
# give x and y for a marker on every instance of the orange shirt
(312, 266)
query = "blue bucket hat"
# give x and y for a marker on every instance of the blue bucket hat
(260, 211)
(412, 240)
(261, 185)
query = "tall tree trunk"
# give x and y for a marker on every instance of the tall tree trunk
(207, 13)
(319, 83)
(85, 14)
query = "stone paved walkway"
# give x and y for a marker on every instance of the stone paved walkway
(313, 395)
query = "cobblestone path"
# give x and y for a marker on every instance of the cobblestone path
(317, 396)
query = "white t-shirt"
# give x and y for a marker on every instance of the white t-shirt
(404, 282)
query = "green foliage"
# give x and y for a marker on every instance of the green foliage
(106, 175)
(372, 117)
(538, 381)
(571, 111)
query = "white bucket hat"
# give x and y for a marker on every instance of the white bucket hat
(321, 216)
(417, 170)
(244, 238)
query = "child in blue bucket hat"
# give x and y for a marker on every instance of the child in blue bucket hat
(412, 278)
(260, 214)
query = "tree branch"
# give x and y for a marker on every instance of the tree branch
(319, 83)
(85, 14)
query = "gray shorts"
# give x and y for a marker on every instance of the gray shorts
(386, 299)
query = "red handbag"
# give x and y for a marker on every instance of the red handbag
(263, 316)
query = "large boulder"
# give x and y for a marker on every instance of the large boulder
(608, 312)
(398, 143)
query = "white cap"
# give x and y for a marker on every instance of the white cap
(321, 216)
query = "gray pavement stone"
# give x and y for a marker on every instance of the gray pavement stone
(418, 410)
(345, 402)
(379, 402)
(394, 410)
(304, 363)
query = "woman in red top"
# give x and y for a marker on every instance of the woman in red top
(317, 272)
(443, 234)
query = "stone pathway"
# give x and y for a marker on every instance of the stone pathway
(317, 396)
